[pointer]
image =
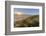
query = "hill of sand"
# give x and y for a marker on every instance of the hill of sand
(20, 17)
(27, 21)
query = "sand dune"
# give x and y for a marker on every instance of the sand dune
(27, 21)
(21, 17)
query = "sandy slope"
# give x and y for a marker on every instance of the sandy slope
(27, 21)
(21, 17)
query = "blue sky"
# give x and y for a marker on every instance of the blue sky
(27, 11)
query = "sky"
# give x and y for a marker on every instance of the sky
(27, 11)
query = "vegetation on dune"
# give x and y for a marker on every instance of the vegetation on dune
(32, 21)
